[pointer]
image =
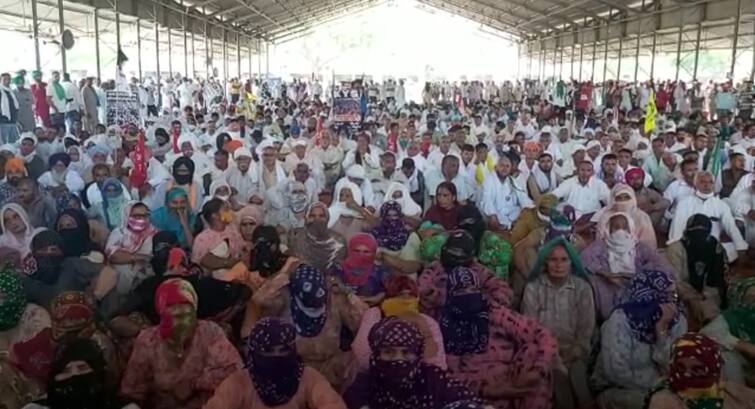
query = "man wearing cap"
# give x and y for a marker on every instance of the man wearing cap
(299, 155)
(435, 158)
(241, 178)
(14, 171)
(25, 101)
(584, 192)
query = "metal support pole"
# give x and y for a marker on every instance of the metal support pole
(752, 68)
(637, 49)
(117, 26)
(518, 58)
(573, 56)
(621, 51)
(97, 43)
(697, 50)
(249, 49)
(225, 56)
(157, 58)
(139, 46)
(207, 50)
(35, 31)
(259, 57)
(594, 50)
(679, 44)
(186, 45)
(555, 50)
(193, 54)
(238, 55)
(62, 27)
(605, 50)
(541, 68)
(267, 59)
(581, 56)
(170, 54)
(560, 61)
(735, 40)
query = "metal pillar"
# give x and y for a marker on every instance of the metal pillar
(679, 45)
(249, 49)
(207, 50)
(267, 59)
(637, 49)
(573, 56)
(555, 50)
(97, 43)
(238, 55)
(518, 58)
(594, 50)
(259, 57)
(735, 40)
(139, 46)
(697, 50)
(62, 27)
(752, 68)
(541, 68)
(193, 54)
(35, 28)
(186, 45)
(117, 26)
(170, 54)
(605, 50)
(560, 61)
(225, 56)
(581, 56)
(621, 51)
(157, 58)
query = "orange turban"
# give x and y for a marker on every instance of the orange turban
(15, 165)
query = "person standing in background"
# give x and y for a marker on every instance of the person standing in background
(25, 101)
(41, 105)
(8, 111)
(91, 102)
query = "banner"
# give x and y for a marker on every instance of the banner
(650, 113)
(346, 110)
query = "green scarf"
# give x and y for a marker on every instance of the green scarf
(560, 89)
(576, 263)
(12, 298)
(741, 316)
(430, 248)
(60, 92)
(495, 254)
(702, 403)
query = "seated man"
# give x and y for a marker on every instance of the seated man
(585, 193)
(502, 198)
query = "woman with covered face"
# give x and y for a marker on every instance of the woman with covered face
(319, 311)
(316, 244)
(181, 361)
(275, 375)
(176, 216)
(287, 206)
(397, 376)
(129, 247)
(218, 247)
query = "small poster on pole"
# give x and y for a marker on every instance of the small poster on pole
(346, 110)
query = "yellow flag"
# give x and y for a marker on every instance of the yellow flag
(650, 112)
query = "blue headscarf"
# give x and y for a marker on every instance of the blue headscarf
(309, 300)
(464, 318)
(642, 300)
(113, 208)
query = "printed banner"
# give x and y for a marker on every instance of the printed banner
(346, 110)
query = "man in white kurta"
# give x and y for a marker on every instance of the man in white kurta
(502, 197)
(705, 201)
(585, 193)
(241, 178)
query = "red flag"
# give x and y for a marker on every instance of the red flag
(319, 131)
(176, 135)
(140, 158)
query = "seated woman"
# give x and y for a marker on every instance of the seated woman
(129, 248)
(247, 220)
(402, 301)
(445, 210)
(399, 246)
(623, 200)
(17, 232)
(615, 258)
(53, 272)
(347, 214)
(25, 343)
(79, 374)
(699, 262)
(111, 211)
(695, 381)
(176, 216)
(98, 231)
(221, 189)
(218, 247)
(73, 317)
(559, 297)
(319, 312)
(734, 331)
(495, 255)
(74, 230)
(316, 244)
(506, 356)
(636, 341)
(181, 361)
(359, 273)
(275, 376)
(458, 250)
(397, 376)
(409, 208)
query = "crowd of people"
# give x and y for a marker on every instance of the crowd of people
(526, 245)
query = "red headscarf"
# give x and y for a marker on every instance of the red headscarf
(172, 292)
(357, 268)
(634, 172)
(704, 350)
(397, 285)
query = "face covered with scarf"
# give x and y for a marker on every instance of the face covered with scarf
(309, 300)
(395, 362)
(12, 298)
(113, 202)
(695, 371)
(47, 252)
(272, 361)
(73, 227)
(392, 233)
(360, 259)
(464, 318)
(176, 304)
(618, 233)
(471, 220)
(459, 250)
(183, 170)
(267, 257)
(706, 261)
(78, 377)
(316, 221)
(72, 316)
(642, 303)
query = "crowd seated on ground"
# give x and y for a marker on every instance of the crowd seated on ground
(525, 245)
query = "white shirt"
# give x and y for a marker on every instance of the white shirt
(503, 199)
(435, 158)
(716, 209)
(74, 95)
(60, 104)
(584, 198)
(675, 192)
(465, 187)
